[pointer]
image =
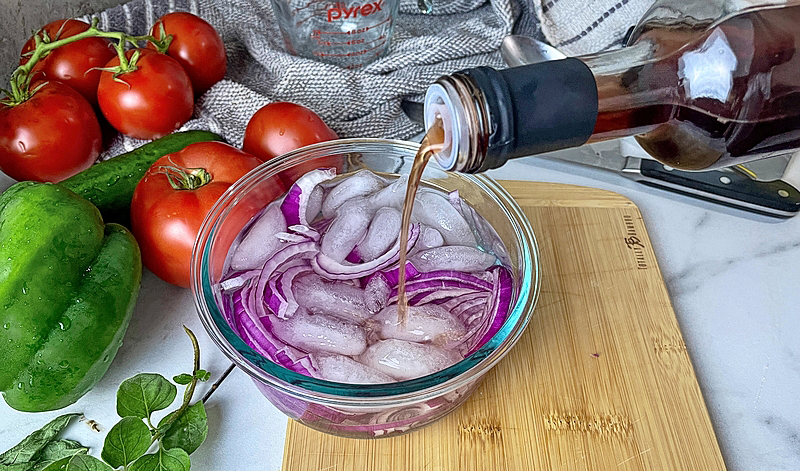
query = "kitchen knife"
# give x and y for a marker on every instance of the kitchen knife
(775, 198)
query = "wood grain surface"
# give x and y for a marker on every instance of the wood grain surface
(601, 380)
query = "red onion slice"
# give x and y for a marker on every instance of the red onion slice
(295, 205)
(331, 269)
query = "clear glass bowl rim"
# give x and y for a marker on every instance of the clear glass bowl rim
(365, 395)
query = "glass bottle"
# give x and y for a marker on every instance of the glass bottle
(700, 86)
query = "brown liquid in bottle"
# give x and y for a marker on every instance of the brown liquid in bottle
(750, 111)
(432, 143)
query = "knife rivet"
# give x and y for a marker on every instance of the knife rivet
(725, 180)
(783, 193)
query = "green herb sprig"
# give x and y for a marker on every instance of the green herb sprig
(127, 444)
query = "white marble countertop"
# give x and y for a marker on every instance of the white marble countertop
(732, 277)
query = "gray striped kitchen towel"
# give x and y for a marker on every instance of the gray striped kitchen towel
(364, 102)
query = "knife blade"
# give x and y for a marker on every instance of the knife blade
(775, 198)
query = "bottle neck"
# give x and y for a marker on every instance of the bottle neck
(490, 116)
(633, 85)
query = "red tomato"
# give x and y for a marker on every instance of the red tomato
(166, 220)
(51, 136)
(74, 64)
(149, 102)
(196, 46)
(280, 127)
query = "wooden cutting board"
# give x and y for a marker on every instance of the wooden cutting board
(600, 381)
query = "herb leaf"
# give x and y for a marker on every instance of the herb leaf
(55, 451)
(79, 462)
(183, 378)
(203, 375)
(25, 450)
(163, 460)
(144, 394)
(127, 440)
(188, 431)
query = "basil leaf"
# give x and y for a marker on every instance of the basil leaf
(203, 375)
(183, 378)
(188, 431)
(36, 441)
(79, 462)
(127, 440)
(55, 451)
(144, 394)
(163, 460)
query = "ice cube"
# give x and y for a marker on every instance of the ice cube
(452, 257)
(404, 360)
(337, 298)
(260, 243)
(429, 238)
(423, 323)
(376, 293)
(361, 183)
(347, 229)
(344, 369)
(392, 196)
(314, 333)
(434, 210)
(382, 233)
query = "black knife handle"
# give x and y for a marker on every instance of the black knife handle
(775, 198)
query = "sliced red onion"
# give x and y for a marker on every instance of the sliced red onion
(362, 183)
(308, 232)
(237, 280)
(354, 256)
(281, 299)
(256, 332)
(295, 204)
(291, 238)
(500, 302)
(329, 268)
(303, 250)
(260, 243)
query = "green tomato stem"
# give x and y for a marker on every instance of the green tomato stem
(21, 77)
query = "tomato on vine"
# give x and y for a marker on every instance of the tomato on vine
(146, 97)
(75, 64)
(196, 46)
(50, 136)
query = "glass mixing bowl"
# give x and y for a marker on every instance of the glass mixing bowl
(361, 410)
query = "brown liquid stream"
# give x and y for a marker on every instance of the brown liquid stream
(432, 143)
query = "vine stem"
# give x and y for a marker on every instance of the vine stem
(21, 77)
(187, 394)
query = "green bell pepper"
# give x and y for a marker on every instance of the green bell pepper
(68, 286)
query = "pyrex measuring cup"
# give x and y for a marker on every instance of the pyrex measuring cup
(348, 33)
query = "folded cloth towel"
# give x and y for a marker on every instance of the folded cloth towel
(362, 103)
(585, 26)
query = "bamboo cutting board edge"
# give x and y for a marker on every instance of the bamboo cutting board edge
(607, 382)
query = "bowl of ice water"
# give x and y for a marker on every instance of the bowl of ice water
(296, 275)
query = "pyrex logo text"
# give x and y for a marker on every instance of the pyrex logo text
(339, 10)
